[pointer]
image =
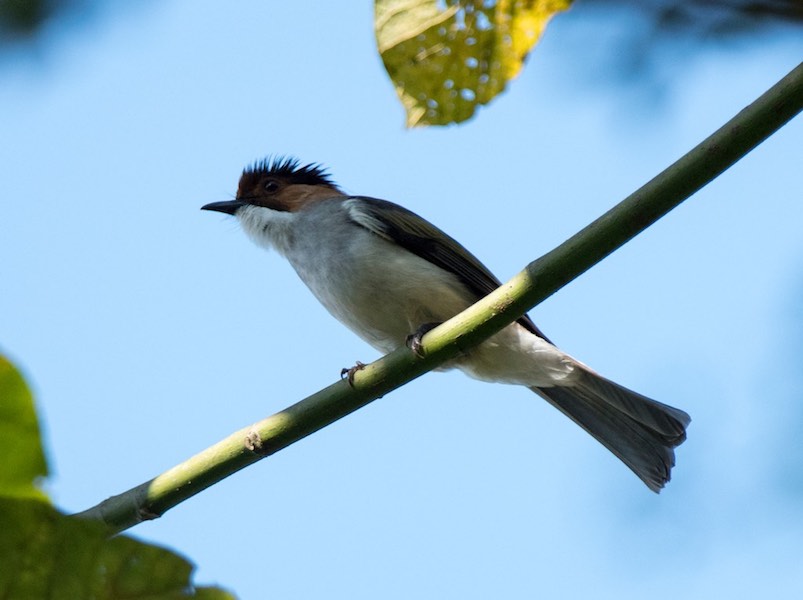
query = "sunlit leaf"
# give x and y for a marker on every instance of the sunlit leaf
(45, 554)
(23, 460)
(446, 58)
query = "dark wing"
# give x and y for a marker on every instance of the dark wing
(423, 239)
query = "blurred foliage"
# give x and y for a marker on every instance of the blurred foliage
(48, 555)
(445, 62)
(447, 57)
(24, 18)
(45, 554)
(23, 463)
(710, 18)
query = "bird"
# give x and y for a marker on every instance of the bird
(389, 275)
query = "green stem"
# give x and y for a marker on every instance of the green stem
(538, 281)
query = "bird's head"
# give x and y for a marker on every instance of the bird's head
(281, 184)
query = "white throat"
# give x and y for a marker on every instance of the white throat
(267, 227)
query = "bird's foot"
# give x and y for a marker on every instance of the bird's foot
(349, 373)
(414, 339)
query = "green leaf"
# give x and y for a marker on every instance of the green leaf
(45, 554)
(23, 460)
(444, 63)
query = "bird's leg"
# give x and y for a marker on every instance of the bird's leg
(349, 373)
(414, 339)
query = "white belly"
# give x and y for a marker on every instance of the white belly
(383, 294)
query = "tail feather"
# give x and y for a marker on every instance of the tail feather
(641, 432)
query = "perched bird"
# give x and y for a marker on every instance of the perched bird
(387, 273)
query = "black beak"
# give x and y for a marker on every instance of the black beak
(229, 207)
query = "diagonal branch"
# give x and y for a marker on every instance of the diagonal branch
(539, 280)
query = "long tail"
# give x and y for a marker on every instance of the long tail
(641, 432)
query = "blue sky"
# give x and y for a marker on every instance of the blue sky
(150, 329)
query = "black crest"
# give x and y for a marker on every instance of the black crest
(288, 169)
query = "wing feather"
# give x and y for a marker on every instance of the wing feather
(422, 238)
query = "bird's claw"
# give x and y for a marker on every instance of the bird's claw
(348, 373)
(414, 339)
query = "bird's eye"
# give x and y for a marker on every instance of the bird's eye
(271, 185)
